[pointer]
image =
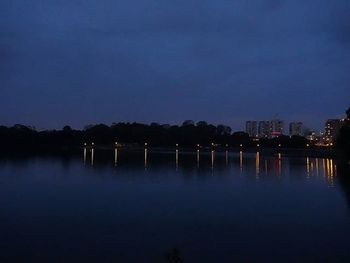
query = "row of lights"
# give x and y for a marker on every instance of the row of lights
(213, 145)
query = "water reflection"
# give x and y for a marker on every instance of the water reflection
(241, 160)
(279, 164)
(116, 157)
(92, 156)
(177, 159)
(325, 168)
(84, 155)
(257, 164)
(146, 159)
(342, 169)
(197, 158)
(313, 167)
(129, 207)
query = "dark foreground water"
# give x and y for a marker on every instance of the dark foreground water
(167, 207)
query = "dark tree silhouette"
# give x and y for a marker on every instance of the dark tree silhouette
(155, 134)
(343, 139)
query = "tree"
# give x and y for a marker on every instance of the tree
(223, 130)
(67, 128)
(188, 123)
(202, 124)
(343, 139)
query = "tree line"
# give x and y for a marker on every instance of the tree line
(189, 134)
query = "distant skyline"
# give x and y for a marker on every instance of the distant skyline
(80, 62)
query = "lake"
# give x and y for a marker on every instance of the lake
(175, 206)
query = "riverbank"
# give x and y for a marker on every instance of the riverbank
(44, 150)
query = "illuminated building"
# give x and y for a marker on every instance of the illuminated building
(332, 127)
(311, 136)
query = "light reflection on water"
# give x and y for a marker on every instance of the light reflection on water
(314, 167)
(116, 156)
(212, 206)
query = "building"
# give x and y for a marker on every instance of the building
(251, 128)
(296, 129)
(332, 127)
(311, 136)
(276, 127)
(264, 130)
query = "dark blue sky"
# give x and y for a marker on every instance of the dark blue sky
(224, 61)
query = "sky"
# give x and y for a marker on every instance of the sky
(80, 62)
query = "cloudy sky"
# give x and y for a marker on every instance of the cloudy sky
(78, 62)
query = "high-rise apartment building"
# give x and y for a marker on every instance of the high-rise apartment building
(251, 128)
(296, 129)
(332, 127)
(276, 127)
(264, 130)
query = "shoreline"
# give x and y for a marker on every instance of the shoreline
(290, 152)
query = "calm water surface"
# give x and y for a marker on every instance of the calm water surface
(156, 207)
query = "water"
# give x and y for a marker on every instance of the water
(156, 207)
